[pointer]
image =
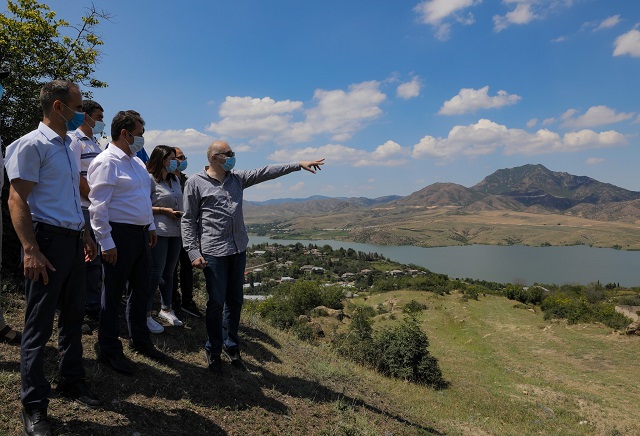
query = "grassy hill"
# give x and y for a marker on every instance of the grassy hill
(511, 372)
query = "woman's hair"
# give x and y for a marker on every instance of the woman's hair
(155, 165)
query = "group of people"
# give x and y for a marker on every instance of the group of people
(82, 212)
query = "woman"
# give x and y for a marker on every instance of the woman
(166, 201)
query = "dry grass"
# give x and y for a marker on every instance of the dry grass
(511, 372)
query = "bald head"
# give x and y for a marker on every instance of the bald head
(217, 147)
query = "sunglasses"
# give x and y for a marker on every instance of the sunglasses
(227, 153)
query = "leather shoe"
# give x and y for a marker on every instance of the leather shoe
(36, 423)
(80, 392)
(147, 349)
(118, 363)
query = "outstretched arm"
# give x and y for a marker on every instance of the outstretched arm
(312, 165)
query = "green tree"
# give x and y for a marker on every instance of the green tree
(38, 47)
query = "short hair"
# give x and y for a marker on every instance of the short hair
(156, 161)
(124, 120)
(55, 90)
(89, 106)
(214, 148)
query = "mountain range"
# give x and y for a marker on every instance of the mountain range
(528, 188)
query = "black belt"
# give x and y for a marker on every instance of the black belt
(131, 226)
(59, 230)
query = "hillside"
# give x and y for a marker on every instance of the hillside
(526, 201)
(511, 372)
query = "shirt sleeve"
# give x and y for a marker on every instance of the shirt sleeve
(76, 148)
(189, 221)
(21, 161)
(101, 177)
(269, 172)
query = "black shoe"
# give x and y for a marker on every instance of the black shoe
(118, 363)
(214, 363)
(233, 354)
(191, 308)
(80, 392)
(147, 349)
(36, 423)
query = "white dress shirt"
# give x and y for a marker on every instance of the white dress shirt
(120, 193)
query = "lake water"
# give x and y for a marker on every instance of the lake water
(560, 265)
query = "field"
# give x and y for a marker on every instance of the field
(511, 372)
(445, 227)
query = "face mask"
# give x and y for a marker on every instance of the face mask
(75, 122)
(183, 165)
(98, 128)
(229, 163)
(137, 145)
(173, 164)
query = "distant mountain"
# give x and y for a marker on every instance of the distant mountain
(528, 188)
(536, 185)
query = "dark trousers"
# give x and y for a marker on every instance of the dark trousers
(186, 280)
(64, 292)
(133, 265)
(224, 279)
(93, 285)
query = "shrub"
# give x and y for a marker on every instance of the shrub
(414, 307)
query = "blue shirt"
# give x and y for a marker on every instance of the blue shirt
(43, 157)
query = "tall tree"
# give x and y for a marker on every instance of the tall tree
(38, 47)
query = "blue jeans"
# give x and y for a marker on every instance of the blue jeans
(224, 279)
(164, 257)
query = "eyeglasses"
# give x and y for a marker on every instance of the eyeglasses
(227, 153)
(183, 157)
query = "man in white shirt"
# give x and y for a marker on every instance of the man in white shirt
(122, 219)
(86, 148)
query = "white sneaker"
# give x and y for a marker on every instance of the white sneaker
(154, 326)
(170, 317)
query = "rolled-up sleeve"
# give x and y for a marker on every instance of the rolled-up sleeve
(189, 222)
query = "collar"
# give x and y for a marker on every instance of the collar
(80, 134)
(50, 134)
(115, 150)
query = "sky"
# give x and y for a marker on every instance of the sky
(395, 95)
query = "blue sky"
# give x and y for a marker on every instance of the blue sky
(396, 95)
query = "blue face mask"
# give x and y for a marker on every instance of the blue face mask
(183, 165)
(229, 163)
(173, 165)
(76, 121)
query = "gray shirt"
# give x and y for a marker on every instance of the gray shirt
(163, 195)
(213, 210)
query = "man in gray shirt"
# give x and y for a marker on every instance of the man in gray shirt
(213, 217)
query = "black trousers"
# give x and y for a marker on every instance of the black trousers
(65, 292)
(186, 280)
(133, 265)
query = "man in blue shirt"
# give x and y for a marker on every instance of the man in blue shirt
(44, 202)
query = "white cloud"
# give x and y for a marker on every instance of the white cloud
(628, 44)
(336, 112)
(409, 90)
(521, 14)
(487, 137)
(532, 122)
(594, 161)
(469, 100)
(389, 154)
(437, 12)
(608, 23)
(343, 113)
(188, 140)
(595, 116)
(548, 121)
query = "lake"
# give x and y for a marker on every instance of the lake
(560, 265)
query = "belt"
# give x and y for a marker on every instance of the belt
(131, 226)
(58, 230)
